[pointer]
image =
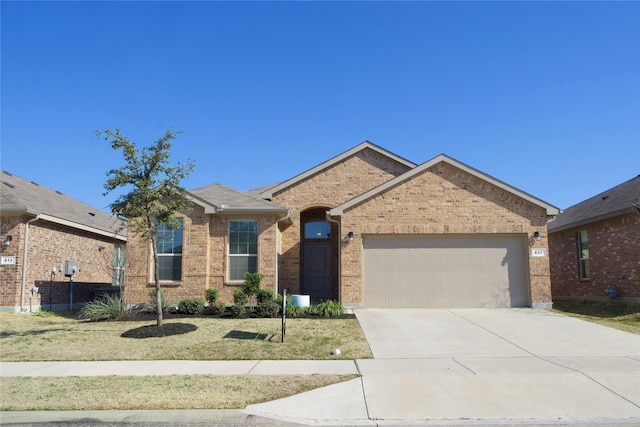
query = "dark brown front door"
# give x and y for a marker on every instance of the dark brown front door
(317, 270)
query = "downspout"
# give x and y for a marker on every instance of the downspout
(275, 275)
(25, 254)
(339, 255)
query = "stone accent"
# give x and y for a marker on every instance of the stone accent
(614, 248)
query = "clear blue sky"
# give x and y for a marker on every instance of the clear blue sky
(542, 95)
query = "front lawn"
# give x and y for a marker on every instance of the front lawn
(57, 338)
(614, 314)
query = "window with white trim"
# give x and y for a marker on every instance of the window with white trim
(243, 249)
(169, 246)
(583, 255)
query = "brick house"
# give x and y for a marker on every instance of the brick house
(40, 229)
(367, 228)
(595, 245)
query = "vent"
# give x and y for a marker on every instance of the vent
(605, 197)
(10, 174)
(35, 183)
(59, 193)
(92, 214)
(8, 184)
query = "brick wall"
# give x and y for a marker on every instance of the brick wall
(327, 189)
(444, 200)
(614, 252)
(48, 247)
(204, 259)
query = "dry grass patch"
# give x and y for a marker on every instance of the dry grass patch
(613, 314)
(157, 392)
(57, 338)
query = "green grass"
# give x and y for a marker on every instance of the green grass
(623, 316)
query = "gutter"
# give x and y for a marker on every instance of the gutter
(25, 254)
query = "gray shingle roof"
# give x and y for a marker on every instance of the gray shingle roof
(21, 196)
(230, 200)
(608, 204)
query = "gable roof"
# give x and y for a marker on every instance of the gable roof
(21, 196)
(339, 210)
(608, 204)
(228, 200)
(269, 192)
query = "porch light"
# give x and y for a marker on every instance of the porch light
(350, 236)
(7, 240)
(536, 235)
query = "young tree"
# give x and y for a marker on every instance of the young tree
(154, 194)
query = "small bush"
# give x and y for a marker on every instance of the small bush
(294, 310)
(191, 306)
(214, 309)
(105, 307)
(211, 295)
(152, 307)
(265, 295)
(268, 309)
(237, 310)
(330, 309)
(239, 297)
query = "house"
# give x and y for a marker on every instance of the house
(43, 235)
(368, 228)
(595, 246)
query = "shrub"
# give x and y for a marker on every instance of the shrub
(238, 310)
(152, 307)
(239, 297)
(190, 306)
(211, 295)
(330, 309)
(214, 309)
(105, 307)
(268, 309)
(265, 295)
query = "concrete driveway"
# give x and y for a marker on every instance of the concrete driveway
(519, 366)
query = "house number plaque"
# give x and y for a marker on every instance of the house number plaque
(538, 252)
(8, 260)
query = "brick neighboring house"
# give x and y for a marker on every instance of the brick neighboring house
(596, 244)
(40, 229)
(366, 227)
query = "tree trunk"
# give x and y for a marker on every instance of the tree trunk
(156, 278)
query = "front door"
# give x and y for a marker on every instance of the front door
(317, 270)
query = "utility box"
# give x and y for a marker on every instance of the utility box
(69, 268)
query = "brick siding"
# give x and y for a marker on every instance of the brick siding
(614, 258)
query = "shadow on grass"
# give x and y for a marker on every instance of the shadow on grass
(166, 330)
(33, 332)
(604, 310)
(242, 335)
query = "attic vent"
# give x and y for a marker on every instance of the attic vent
(92, 214)
(35, 183)
(8, 184)
(605, 197)
(59, 193)
(8, 173)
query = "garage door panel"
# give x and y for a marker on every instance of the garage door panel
(427, 271)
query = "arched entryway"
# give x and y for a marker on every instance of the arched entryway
(318, 255)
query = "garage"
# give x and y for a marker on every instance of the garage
(445, 271)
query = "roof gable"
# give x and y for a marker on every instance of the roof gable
(608, 204)
(21, 196)
(339, 210)
(269, 192)
(220, 198)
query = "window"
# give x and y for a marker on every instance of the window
(243, 248)
(117, 277)
(317, 230)
(583, 255)
(169, 247)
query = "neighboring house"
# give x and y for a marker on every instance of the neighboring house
(367, 228)
(41, 229)
(595, 246)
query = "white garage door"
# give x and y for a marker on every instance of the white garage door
(445, 271)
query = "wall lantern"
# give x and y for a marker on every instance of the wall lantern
(7, 240)
(350, 236)
(537, 236)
